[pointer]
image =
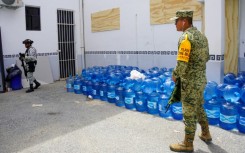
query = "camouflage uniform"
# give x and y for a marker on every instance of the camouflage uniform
(31, 61)
(192, 76)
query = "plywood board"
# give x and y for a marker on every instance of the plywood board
(162, 10)
(106, 20)
(231, 42)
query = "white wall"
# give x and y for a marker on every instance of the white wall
(14, 31)
(135, 34)
(13, 26)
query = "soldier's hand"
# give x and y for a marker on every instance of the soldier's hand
(22, 55)
(21, 58)
(173, 78)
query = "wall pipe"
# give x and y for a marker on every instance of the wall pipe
(81, 10)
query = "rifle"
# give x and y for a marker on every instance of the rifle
(176, 94)
(21, 58)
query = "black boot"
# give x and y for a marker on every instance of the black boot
(30, 89)
(37, 84)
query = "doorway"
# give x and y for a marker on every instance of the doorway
(66, 42)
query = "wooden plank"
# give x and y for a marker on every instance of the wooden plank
(231, 41)
(162, 10)
(105, 20)
(203, 17)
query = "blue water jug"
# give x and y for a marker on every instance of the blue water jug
(152, 103)
(241, 120)
(129, 98)
(229, 78)
(154, 72)
(212, 109)
(111, 93)
(126, 73)
(232, 93)
(141, 101)
(84, 86)
(220, 90)
(162, 103)
(241, 75)
(176, 110)
(89, 85)
(119, 99)
(158, 84)
(78, 85)
(163, 78)
(70, 84)
(163, 69)
(168, 74)
(210, 90)
(171, 69)
(148, 74)
(103, 91)
(84, 72)
(137, 85)
(96, 90)
(168, 86)
(228, 116)
(243, 94)
(128, 83)
(239, 81)
(148, 86)
(113, 78)
(96, 75)
(220, 100)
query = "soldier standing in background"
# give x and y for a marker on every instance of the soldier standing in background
(193, 54)
(30, 58)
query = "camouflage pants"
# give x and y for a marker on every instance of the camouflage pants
(30, 77)
(192, 104)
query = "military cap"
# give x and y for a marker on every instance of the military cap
(183, 14)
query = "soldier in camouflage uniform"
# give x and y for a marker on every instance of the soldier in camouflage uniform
(193, 54)
(30, 58)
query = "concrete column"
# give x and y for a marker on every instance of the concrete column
(215, 32)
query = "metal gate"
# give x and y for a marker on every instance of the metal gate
(65, 21)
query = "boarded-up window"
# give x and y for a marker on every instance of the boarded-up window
(106, 20)
(231, 39)
(163, 10)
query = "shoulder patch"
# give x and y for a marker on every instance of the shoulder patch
(184, 50)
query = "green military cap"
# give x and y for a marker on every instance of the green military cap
(183, 13)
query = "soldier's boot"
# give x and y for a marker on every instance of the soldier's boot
(185, 146)
(205, 134)
(37, 84)
(30, 89)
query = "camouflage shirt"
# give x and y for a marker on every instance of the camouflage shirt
(193, 72)
(30, 55)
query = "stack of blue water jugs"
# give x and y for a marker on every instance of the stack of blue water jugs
(224, 103)
(114, 85)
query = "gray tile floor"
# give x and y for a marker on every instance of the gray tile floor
(50, 120)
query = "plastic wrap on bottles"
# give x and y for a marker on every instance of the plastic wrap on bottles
(134, 74)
